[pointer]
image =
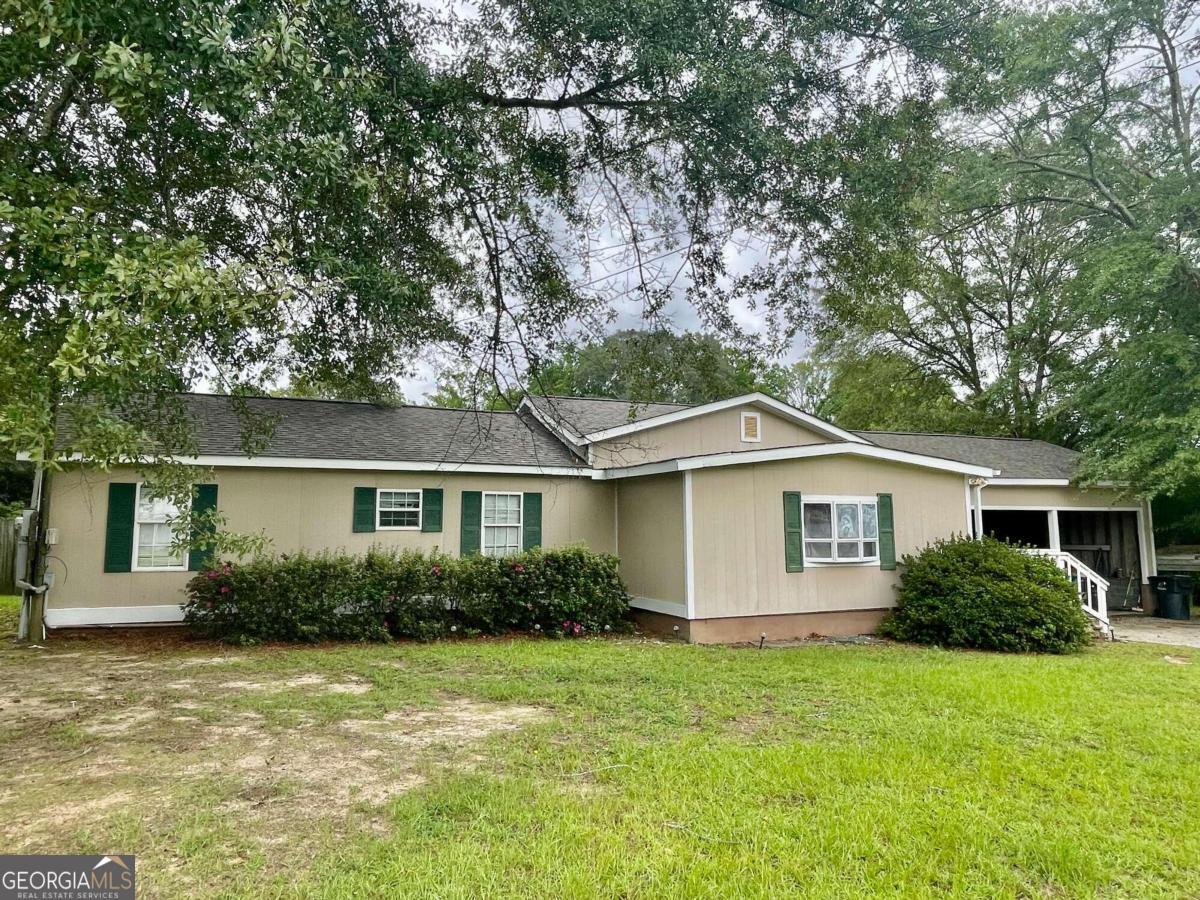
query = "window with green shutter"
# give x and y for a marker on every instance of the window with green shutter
(431, 512)
(470, 522)
(793, 532)
(204, 503)
(887, 532)
(531, 521)
(364, 509)
(118, 531)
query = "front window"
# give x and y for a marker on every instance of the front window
(398, 509)
(841, 530)
(501, 524)
(154, 535)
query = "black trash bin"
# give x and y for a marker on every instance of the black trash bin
(1172, 596)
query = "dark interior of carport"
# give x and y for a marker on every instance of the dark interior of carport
(1105, 541)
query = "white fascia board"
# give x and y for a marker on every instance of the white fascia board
(1028, 482)
(807, 451)
(88, 616)
(374, 465)
(762, 401)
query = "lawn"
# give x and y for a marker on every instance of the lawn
(622, 767)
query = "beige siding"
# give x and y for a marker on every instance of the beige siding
(738, 533)
(1058, 497)
(298, 509)
(650, 525)
(717, 432)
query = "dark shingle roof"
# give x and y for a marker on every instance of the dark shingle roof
(1014, 457)
(326, 429)
(585, 415)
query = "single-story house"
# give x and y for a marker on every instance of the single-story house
(731, 519)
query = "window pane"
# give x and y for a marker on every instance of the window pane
(818, 550)
(870, 522)
(870, 549)
(501, 540)
(847, 549)
(847, 520)
(399, 518)
(502, 509)
(154, 546)
(152, 509)
(817, 520)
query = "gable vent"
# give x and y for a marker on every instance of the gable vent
(751, 428)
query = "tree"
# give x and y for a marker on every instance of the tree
(1053, 279)
(644, 366)
(321, 190)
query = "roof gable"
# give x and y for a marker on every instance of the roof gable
(589, 420)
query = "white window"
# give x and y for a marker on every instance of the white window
(398, 510)
(841, 529)
(751, 428)
(153, 534)
(501, 524)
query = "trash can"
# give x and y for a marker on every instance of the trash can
(1172, 596)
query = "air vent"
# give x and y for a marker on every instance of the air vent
(751, 428)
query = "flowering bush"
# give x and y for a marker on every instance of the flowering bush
(567, 592)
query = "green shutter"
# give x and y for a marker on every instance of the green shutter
(118, 533)
(793, 532)
(531, 521)
(431, 509)
(887, 532)
(204, 500)
(470, 523)
(364, 509)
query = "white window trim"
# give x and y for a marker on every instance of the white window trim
(758, 418)
(519, 524)
(840, 498)
(137, 533)
(379, 492)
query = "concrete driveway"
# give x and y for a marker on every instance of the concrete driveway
(1152, 630)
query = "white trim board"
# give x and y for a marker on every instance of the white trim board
(376, 465)
(805, 451)
(84, 616)
(1002, 482)
(762, 401)
(666, 607)
(1050, 507)
(689, 548)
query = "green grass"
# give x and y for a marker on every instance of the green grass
(670, 770)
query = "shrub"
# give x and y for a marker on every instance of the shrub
(989, 595)
(565, 592)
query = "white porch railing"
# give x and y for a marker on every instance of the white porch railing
(1093, 590)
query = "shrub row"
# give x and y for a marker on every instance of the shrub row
(563, 592)
(988, 595)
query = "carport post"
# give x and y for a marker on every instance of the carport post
(1052, 522)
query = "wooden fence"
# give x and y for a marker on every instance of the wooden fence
(9, 529)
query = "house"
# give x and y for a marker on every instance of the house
(731, 519)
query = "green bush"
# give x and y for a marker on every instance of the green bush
(989, 595)
(303, 598)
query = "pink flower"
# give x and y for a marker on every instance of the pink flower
(224, 589)
(578, 628)
(209, 604)
(436, 570)
(518, 567)
(212, 576)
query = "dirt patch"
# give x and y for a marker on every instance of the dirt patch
(456, 722)
(121, 722)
